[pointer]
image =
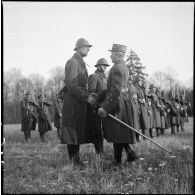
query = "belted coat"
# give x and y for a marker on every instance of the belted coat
(58, 113)
(151, 123)
(162, 113)
(175, 113)
(96, 84)
(117, 103)
(156, 110)
(135, 106)
(74, 109)
(44, 117)
(28, 115)
(143, 115)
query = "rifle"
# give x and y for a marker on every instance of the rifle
(124, 124)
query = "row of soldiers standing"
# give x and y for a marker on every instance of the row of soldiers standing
(85, 99)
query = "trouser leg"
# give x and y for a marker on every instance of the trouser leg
(118, 148)
(177, 128)
(42, 136)
(172, 129)
(162, 131)
(157, 132)
(182, 126)
(131, 155)
(137, 137)
(73, 151)
(26, 134)
(150, 131)
(143, 132)
(58, 132)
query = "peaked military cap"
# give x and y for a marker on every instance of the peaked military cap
(119, 48)
(102, 61)
(82, 43)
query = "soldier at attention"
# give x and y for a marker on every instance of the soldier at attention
(97, 84)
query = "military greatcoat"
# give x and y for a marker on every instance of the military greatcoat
(156, 110)
(117, 103)
(175, 113)
(143, 115)
(44, 119)
(135, 105)
(183, 113)
(58, 113)
(28, 115)
(96, 84)
(162, 113)
(151, 123)
(74, 109)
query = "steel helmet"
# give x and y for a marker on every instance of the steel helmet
(82, 43)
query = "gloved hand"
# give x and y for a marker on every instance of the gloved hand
(92, 98)
(102, 113)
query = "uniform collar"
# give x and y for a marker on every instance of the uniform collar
(79, 59)
(121, 61)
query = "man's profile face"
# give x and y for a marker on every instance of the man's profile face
(139, 82)
(85, 50)
(112, 56)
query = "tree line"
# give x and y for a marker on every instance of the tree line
(15, 83)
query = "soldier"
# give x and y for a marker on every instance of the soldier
(96, 84)
(28, 121)
(162, 111)
(175, 115)
(151, 121)
(183, 112)
(74, 111)
(117, 103)
(44, 119)
(58, 114)
(155, 107)
(143, 115)
(166, 103)
(133, 99)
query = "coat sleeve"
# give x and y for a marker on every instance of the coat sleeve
(57, 109)
(71, 72)
(92, 83)
(115, 91)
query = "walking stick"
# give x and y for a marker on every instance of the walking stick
(124, 124)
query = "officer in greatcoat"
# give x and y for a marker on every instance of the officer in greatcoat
(97, 84)
(117, 103)
(156, 108)
(44, 118)
(74, 111)
(28, 115)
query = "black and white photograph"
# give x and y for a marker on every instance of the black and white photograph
(97, 97)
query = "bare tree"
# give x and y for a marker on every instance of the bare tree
(37, 83)
(57, 76)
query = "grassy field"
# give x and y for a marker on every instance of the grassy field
(36, 167)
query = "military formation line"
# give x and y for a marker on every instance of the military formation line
(83, 104)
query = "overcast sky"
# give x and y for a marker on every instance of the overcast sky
(42, 35)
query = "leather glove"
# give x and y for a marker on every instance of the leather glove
(102, 113)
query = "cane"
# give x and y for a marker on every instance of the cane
(124, 124)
